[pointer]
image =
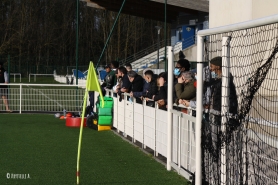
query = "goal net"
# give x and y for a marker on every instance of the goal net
(240, 126)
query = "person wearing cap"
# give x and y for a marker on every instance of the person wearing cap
(109, 80)
(215, 105)
(4, 88)
(216, 86)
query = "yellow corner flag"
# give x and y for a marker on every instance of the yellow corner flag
(92, 84)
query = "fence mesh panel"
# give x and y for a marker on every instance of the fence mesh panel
(41, 98)
(239, 130)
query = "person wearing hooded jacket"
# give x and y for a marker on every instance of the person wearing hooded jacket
(4, 88)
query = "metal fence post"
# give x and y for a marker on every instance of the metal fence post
(225, 100)
(199, 110)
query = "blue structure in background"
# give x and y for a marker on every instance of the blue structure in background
(83, 75)
(80, 74)
(102, 74)
(188, 39)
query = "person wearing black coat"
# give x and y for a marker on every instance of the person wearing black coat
(161, 96)
(136, 80)
(137, 83)
(151, 78)
(215, 104)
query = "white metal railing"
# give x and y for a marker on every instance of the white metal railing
(44, 97)
(19, 74)
(38, 75)
(149, 126)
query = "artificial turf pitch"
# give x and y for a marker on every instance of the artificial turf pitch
(42, 147)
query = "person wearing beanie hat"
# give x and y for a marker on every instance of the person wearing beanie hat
(215, 104)
(4, 88)
(216, 61)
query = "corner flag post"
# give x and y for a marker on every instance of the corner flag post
(92, 84)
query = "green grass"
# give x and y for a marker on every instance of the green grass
(43, 147)
(39, 80)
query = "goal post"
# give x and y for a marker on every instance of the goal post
(236, 139)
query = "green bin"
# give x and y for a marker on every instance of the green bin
(104, 120)
(108, 102)
(104, 111)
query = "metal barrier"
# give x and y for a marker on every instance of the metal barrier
(148, 126)
(15, 75)
(44, 97)
(38, 75)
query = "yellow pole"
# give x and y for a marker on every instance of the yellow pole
(80, 136)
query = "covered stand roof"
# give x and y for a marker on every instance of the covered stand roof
(153, 9)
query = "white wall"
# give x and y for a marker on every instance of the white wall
(225, 12)
(263, 8)
(190, 53)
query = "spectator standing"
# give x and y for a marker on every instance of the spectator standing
(206, 90)
(185, 88)
(114, 65)
(4, 88)
(137, 83)
(117, 87)
(126, 84)
(128, 67)
(161, 97)
(139, 94)
(151, 78)
(181, 66)
(109, 80)
(215, 107)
